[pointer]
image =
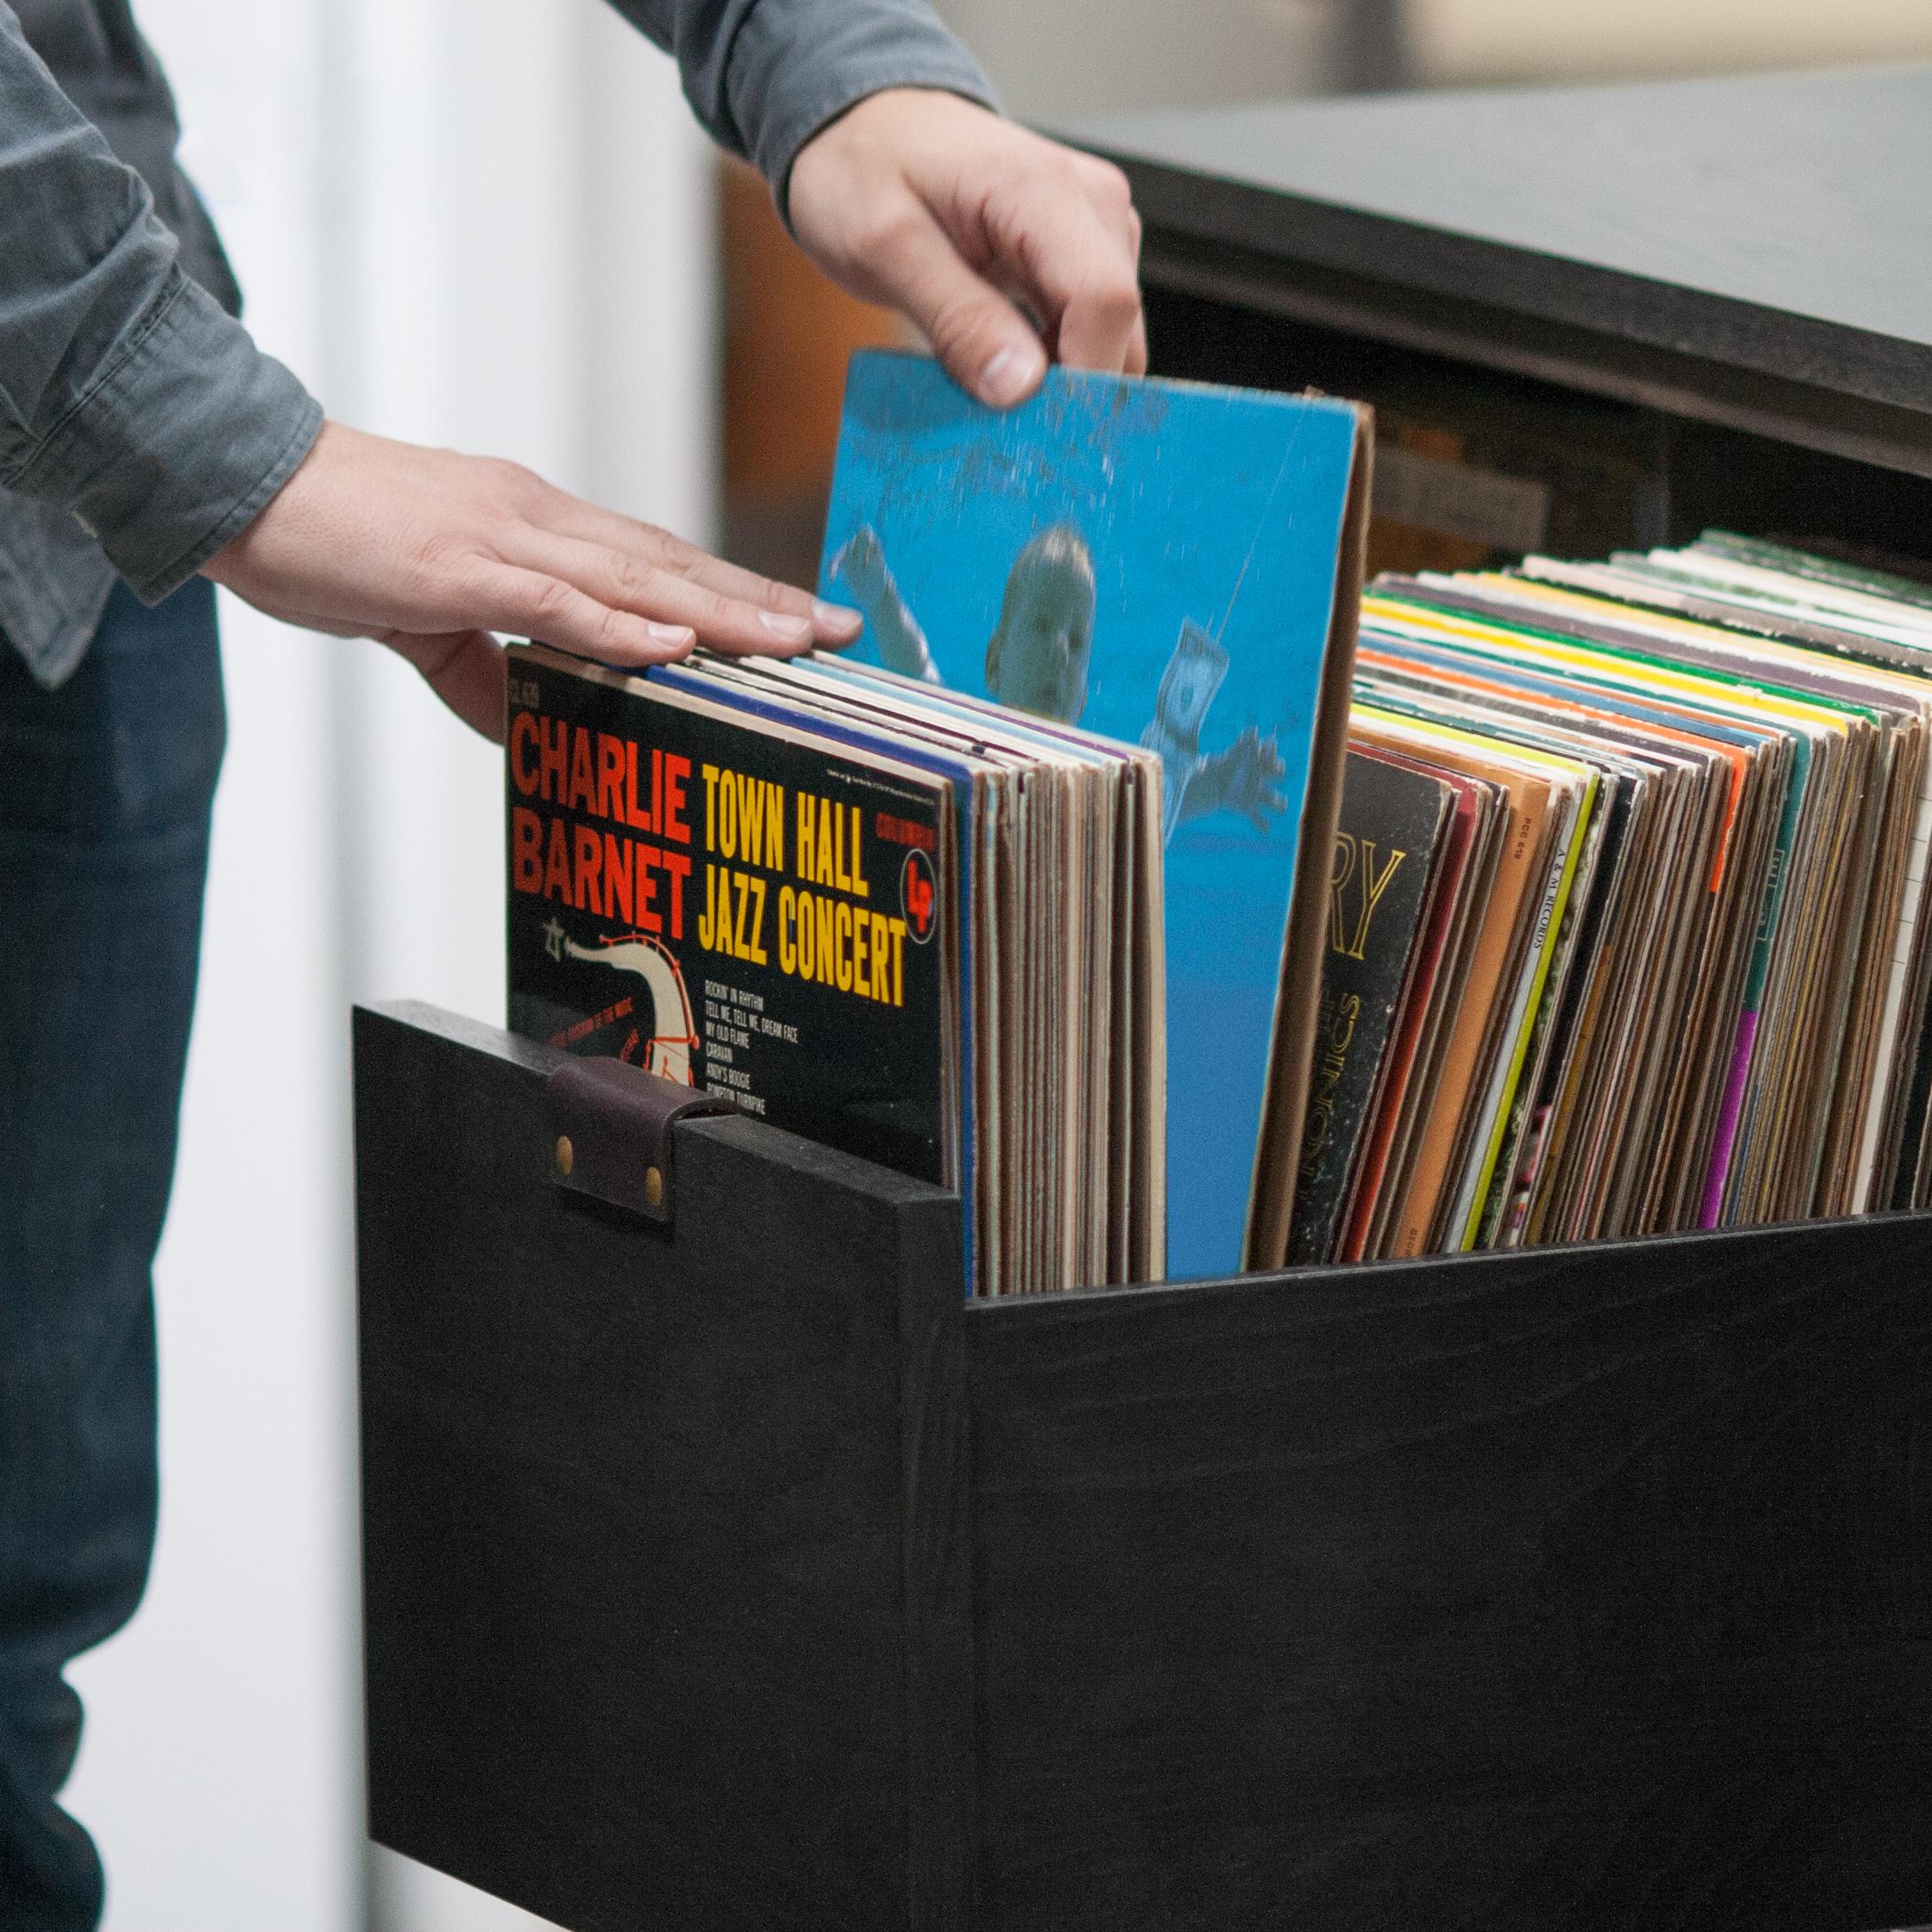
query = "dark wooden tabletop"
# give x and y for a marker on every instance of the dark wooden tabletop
(1753, 247)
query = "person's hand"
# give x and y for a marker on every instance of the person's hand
(942, 210)
(430, 551)
(1244, 778)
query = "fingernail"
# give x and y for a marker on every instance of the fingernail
(794, 630)
(673, 636)
(1009, 375)
(836, 617)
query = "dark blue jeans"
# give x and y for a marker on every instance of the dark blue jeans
(105, 790)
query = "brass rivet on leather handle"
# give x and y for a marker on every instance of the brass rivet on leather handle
(610, 1127)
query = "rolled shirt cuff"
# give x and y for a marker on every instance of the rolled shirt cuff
(181, 443)
(842, 54)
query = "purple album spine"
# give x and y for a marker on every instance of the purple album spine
(1727, 1120)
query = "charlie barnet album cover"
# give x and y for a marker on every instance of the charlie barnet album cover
(728, 907)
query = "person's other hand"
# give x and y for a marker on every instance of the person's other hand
(430, 552)
(945, 211)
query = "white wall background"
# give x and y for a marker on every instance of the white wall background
(479, 222)
(1068, 59)
(1455, 41)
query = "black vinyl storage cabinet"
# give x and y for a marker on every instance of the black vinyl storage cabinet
(728, 1569)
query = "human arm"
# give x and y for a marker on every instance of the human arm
(430, 551)
(1245, 778)
(764, 76)
(128, 398)
(957, 218)
(861, 565)
(880, 138)
(868, 112)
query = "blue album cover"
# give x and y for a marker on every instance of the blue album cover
(1155, 561)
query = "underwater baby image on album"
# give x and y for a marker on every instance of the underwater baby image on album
(1159, 562)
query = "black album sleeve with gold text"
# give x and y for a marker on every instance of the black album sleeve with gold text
(1392, 823)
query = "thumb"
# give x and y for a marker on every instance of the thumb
(464, 669)
(987, 346)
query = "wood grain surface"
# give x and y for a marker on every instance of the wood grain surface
(1580, 1588)
(737, 1576)
(663, 1551)
(1750, 252)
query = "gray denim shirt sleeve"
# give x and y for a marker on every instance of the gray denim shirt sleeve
(140, 426)
(128, 398)
(763, 76)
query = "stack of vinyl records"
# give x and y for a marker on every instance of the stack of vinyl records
(893, 918)
(1628, 929)
(1067, 807)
